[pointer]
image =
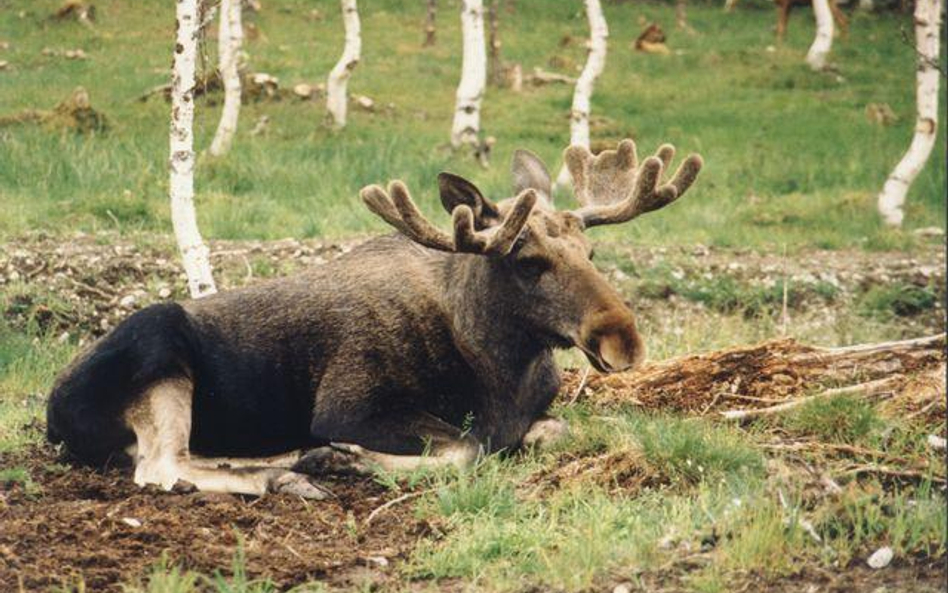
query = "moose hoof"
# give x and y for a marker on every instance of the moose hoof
(299, 485)
(330, 460)
(545, 433)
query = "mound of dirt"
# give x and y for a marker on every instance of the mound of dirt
(76, 522)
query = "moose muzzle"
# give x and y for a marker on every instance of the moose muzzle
(611, 342)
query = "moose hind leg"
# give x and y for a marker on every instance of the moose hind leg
(161, 421)
(392, 442)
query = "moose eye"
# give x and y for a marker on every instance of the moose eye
(533, 266)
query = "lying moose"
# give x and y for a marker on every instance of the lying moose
(417, 348)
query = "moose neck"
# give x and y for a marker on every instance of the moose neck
(485, 313)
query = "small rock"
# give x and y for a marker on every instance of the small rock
(936, 442)
(364, 102)
(4, 64)
(622, 588)
(131, 522)
(880, 558)
(164, 292)
(377, 561)
(127, 301)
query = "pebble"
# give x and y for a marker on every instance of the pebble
(880, 558)
(622, 588)
(131, 522)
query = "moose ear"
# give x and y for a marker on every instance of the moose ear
(457, 191)
(529, 172)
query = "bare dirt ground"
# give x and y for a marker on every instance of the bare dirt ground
(99, 526)
(83, 285)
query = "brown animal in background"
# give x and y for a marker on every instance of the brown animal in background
(418, 348)
(783, 15)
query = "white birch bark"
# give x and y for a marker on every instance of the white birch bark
(823, 41)
(336, 97)
(595, 63)
(467, 111)
(230, 40)
(927, 35)
(194, 253)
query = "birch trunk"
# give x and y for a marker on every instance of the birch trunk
(467, 111)
(194, 253)
(927, 35)
(430, 23)
(230, 39)
(820, 49)
(596, 61)
(336, 97)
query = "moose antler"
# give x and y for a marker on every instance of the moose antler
(612, 188)
(398, 209)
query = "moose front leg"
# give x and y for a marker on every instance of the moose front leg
(392, 442)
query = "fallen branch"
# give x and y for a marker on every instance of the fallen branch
(915, 474)
(382, 508)
(867, 389)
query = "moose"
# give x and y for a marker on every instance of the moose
(418, 348)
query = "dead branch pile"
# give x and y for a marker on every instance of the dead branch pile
(257, 86)
(778, 374)
(75, 113)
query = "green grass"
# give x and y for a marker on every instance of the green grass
(837, 419)
(28, 363)
(791, 158)
(897, 299)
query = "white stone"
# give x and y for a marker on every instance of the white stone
(880, 558)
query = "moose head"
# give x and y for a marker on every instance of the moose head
(539, 256)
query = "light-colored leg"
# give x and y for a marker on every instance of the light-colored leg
(546, 432)
(161, 420)
(461, 454)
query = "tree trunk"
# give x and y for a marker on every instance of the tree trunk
(194, 253)
(820, 49)
(336, 98)
(467, 112)
(927, 35)
(494, 62)
(230, 39)
(595, 62)
(430, 23)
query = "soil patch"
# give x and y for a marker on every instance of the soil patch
(100, 527)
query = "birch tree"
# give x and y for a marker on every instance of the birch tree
(467, 111)
(927, 35)
(336, 96)
(194, 253)
(595, 63)
(820, 49)
(229, 42)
